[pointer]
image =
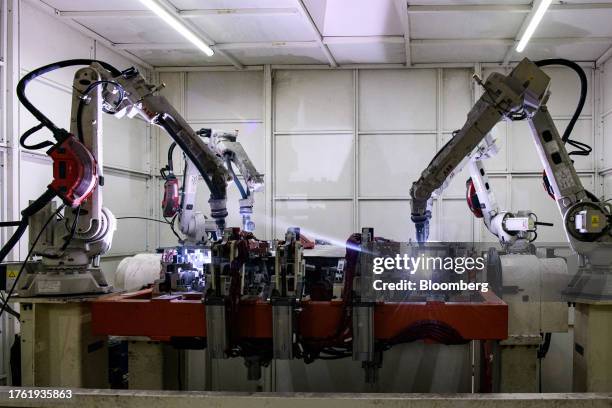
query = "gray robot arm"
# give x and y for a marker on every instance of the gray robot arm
(504, 96)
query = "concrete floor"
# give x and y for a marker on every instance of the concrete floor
(83, 398)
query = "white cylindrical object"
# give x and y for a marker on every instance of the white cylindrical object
(137, 271)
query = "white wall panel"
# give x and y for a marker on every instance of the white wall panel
(527, 193)
(127, 195)
(397, 100)
(607, 141)
(456, 221)
(313, 100)
(327, 220)
(126, 143)
(456, 96)
(224, 95)
(606, 79)
(314, 166)
(607, 186)
(389, 163)
(44, 39)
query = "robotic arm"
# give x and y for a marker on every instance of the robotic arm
(139, 99)
(523, 95)
(515, 231)
(193, 223)
(506, 97)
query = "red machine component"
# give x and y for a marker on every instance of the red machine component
(171, 201)
(472, 198)
(75, 171)
(167, 316)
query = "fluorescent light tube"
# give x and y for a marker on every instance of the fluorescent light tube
(175, 23)
(533, 24)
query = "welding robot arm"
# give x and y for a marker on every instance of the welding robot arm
(140, 98)
(193, 224)
(224, 144)
(505, 97)
(513, 230)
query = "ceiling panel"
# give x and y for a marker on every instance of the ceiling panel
(576, 23)
(230, 4)
(465, 25)
(580, 51)
(370, 53)
(276, 55)
(463, 2)
(181, 57)
(458, 53)
(133, 30)
(90, 5)
(225, 28)
(280, 55)
(355, 17)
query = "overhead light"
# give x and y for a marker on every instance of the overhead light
(178, 25)
(533, 24)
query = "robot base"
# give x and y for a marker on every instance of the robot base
(64, 282)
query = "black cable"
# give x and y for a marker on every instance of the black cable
(168, 171)
(82, 104)
(25, 261)
(243, 193)
(170, 153)
(30, 210)
(143, 218)
(214, 191)
(583, 88)
(21, 87)
(30, 132)
(171, 222)
(9, 309)
(73, 229)
(10, 223)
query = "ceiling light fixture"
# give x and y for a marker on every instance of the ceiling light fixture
(533, 24)
(178, 25)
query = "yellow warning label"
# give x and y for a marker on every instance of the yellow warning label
(595, 220)
(11, 273)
